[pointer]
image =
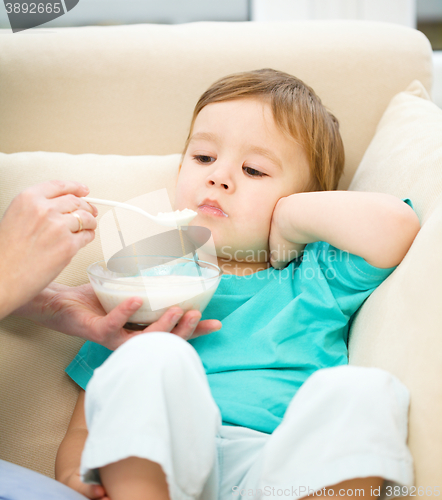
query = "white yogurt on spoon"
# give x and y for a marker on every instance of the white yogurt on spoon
(179, 217)
(170, 219)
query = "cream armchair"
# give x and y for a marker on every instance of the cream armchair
(110, 107)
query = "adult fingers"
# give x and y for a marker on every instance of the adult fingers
(88, 221)
(82, 239)
(187, 324)
(114, 321)
(167, 321)
(205, 327)
(52, 189)
(69, 203)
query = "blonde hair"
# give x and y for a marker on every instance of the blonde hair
(297, 111)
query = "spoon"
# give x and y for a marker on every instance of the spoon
(169, 219)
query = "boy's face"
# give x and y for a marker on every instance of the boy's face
(239, 161)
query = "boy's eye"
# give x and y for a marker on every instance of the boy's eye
(204, 158)
(253, 173)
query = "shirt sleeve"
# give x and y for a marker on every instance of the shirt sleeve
(89, 357)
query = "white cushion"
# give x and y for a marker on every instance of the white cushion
(399, 327)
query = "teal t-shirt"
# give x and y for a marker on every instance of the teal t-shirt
(278, 327)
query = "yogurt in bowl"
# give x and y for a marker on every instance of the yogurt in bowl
(161, 282)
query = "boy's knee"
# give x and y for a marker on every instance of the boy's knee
(154, 350)
(364, 383)
(349, 394)
(156, 344)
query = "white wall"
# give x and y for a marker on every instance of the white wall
(145, 11)
(405, 12)
(394, 11)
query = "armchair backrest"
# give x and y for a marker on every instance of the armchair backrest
(130, 90)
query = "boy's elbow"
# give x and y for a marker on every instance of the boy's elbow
(398, 239)
(413, 223)
(407, 226)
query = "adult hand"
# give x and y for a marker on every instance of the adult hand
(282, 250)
(39, 235)
(77, 311)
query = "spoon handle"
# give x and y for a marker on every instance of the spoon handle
(120, 205)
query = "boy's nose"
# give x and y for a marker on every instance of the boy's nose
(224, 185)
(221, 177)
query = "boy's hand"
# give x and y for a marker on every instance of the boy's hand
(77, 311)
(282, 250)
(92, 491)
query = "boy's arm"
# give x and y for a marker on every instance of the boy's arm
(67, 463)
(378, 227)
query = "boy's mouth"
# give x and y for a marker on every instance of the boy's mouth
(210, 210)
(211, 207)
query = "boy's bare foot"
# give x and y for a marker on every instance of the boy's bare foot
(134, 478)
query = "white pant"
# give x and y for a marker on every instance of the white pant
(151, 399)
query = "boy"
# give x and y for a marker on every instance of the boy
(269, 406)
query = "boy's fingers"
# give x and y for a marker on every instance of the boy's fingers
(277, 264)
(93, 491)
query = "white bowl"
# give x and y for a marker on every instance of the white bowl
(161, 282)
